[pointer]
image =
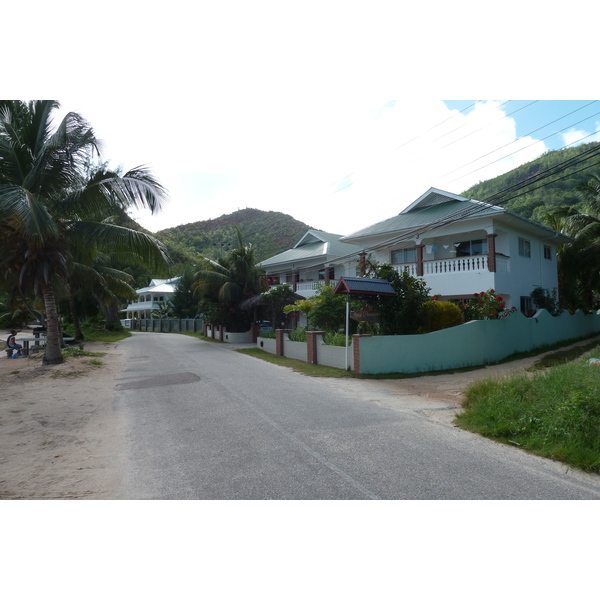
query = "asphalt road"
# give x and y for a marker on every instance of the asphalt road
(204, 422)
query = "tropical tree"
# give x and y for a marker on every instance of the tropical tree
(579, 261)
(222, 284)
(185, 306)
(399, 314)
(54, 205)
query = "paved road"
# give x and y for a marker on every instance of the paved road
(204, 422)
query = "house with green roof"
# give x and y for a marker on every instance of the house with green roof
(317, 258)
(461, 246)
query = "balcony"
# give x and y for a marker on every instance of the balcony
(454, 266)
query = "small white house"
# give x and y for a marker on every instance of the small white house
(159, 290)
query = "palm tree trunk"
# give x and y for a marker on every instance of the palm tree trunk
(53, 355)
(74, 317)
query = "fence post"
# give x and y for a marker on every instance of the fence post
(356, 349)
(311, 347)
(279, 341)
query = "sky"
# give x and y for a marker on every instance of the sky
(333, 113)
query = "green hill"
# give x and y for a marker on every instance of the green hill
(560, 189)
(269, 232)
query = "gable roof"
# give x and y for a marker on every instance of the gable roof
(314, 244)
(363, 286)
(160, 286)
(434, 206)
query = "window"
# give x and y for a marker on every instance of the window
(322, 275)
(547, 253)
(524, 248)
(471, 248)
(406, 255)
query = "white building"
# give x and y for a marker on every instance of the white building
(159, 290)
(457, 245)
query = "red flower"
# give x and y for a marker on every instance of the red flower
(476, 294)
(499, 298)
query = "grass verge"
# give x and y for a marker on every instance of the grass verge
(323, 371)
(553, 413)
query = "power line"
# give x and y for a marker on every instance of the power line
(501, 197)
(532, 144)
(520, 138)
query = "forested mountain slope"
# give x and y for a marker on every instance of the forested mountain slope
(560, 189)
(268, 231)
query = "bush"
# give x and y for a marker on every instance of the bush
(298, 335)
(546, 299)
(336, 339)
(436, 315)
(485, 305)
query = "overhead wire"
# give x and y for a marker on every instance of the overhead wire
(495, 200)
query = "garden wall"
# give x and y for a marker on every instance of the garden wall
(472, 344)
(163, 325)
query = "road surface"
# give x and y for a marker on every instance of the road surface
(202, 421)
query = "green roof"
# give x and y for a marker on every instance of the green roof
(422, 217)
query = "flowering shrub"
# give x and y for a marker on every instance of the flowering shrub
(485, 305)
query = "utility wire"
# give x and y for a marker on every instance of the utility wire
(515, 141)
(501, 197)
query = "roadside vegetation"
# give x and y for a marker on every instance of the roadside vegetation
(551, 411)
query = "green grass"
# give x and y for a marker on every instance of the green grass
(70, 352)
(323, 371)
(553, 413)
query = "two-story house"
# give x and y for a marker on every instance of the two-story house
(459, 246)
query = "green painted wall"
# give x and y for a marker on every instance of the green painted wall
(472, 344)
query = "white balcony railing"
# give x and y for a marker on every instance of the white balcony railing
(462, 264)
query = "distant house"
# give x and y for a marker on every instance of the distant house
(159, 290)
(317, 258)
(461, 246)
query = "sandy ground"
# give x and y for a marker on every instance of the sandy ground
(60, 437)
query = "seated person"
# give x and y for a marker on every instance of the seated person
(11, 342)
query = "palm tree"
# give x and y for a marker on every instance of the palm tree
(578, 261)
(54, 205)
(228, 281)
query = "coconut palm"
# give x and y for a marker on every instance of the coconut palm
(578, 261)
(230, 279)
(54, 205)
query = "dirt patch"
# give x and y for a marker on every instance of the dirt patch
(59, 436)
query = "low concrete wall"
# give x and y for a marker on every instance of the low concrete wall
(472, 344)
(294, 349)
(238, 338)
(334, 356)
(267, 344)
